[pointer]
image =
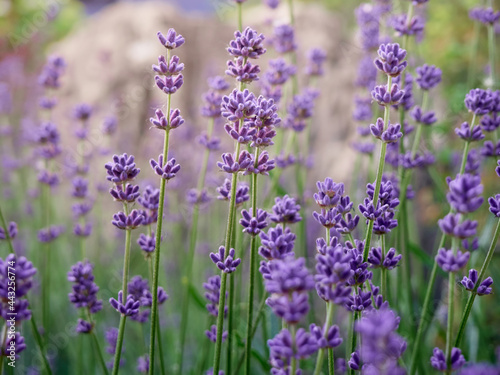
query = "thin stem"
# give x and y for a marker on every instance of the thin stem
(293, 364)
(222, 298)
(240, 16)
(328, 322)
(156, 266)
(39, 342)
(253, 264)
(449, 326)
(467, 145)
(383, 281)
(6, 231)
(119, 343)
(99, 352)
(491, 50)
(473, 54)
(378, 182)
(192, 247)
(126, 264)
(404, 234)
(331, 362)
(482, 272)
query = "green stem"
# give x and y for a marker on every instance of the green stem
(6, 231)
(473, 54)
(156, 265)
(404, 235)
(449, 326)
(467, 145)
(222, 298)
(39, 342)
(99, 353)
(383, 280)
(240, 17)
(126, 265)
(378, 182)
(321, 353)
(331, 362)
(482, 272)
(491, 50)
(253, 264)
(192, 248)
(294, 360)
(119, 343)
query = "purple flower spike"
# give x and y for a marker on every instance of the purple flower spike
(355, 362)
(450, 262)
(403, 27)
(471, 244)
(385, 97)
(479, 101)
(490, 150)
(84, 294)
(240, 133)
(131, 306)
(427, 118)
(248, 44)
(122, 169)
(348, 224)
(277, 243)
(218, 83)
(146, 243)
(161, 122)
(266, 113)
(211, 144)
(50, 234)
(11, 231)
(82, 112)
(109, 125)
(284, 39)
(172, 40)
(225, 264)
(360, 301)
(490, 122)
(172, 68)
(82, 230)
(283, 276)
(242, 190)
(315, 58)
(486, 16)
(253, 225)
(391, 135)
(328, 218)
(47, 178)
(329, 193)
(451, 225)
(438, 359)
(83, 326)
(128, 194)
(238, 105)
(212, 334)
(169, 84)
(291, 308)
(279, 72)
(493, 201)
(465, 193)
(390, 60)
(470, 282)
(243, 71)
(124, 222)
(428, 76)
(285, 210)
(389, 262)
(212, 294)
(466, 134)
(230, 164)
(167, 171)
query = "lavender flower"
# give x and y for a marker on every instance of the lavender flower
(486, 16)
(284, 39)
(285, 210)
(427, 118)
(490, 150)
(451, 225)
(470, 283)
(231, 163)
(329, 193)
(284, 276)
(82, 230)
(428, 76)
(478, 101)
(277, 243)
(169, 84)
(244, 71)
(143, 364)
(109, 125)
(212, 294)
(390, 60)
(166, 171)
(248, 44)
(494, 205)
(130, 307)
(389, 261)
(212, 334)
(263, 165)
(390, 135)
(242, 190)
(161, 122)
(450, 262)
(238, 105)
(253, 225)
(83, 326)
(225, 264)
(24, 272)
(386, 97)
(146, 243)
(50, 234)
(172, 40)
(438, 360)
(328, 218)
(171, 68)
(11, 232)
(464, 195)
(85, 290)
(315, 60)
(130, 221)
(122, 169)
(129, 193)
(402, 27)
(331, 339)
(468, 134)
(359, 301)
